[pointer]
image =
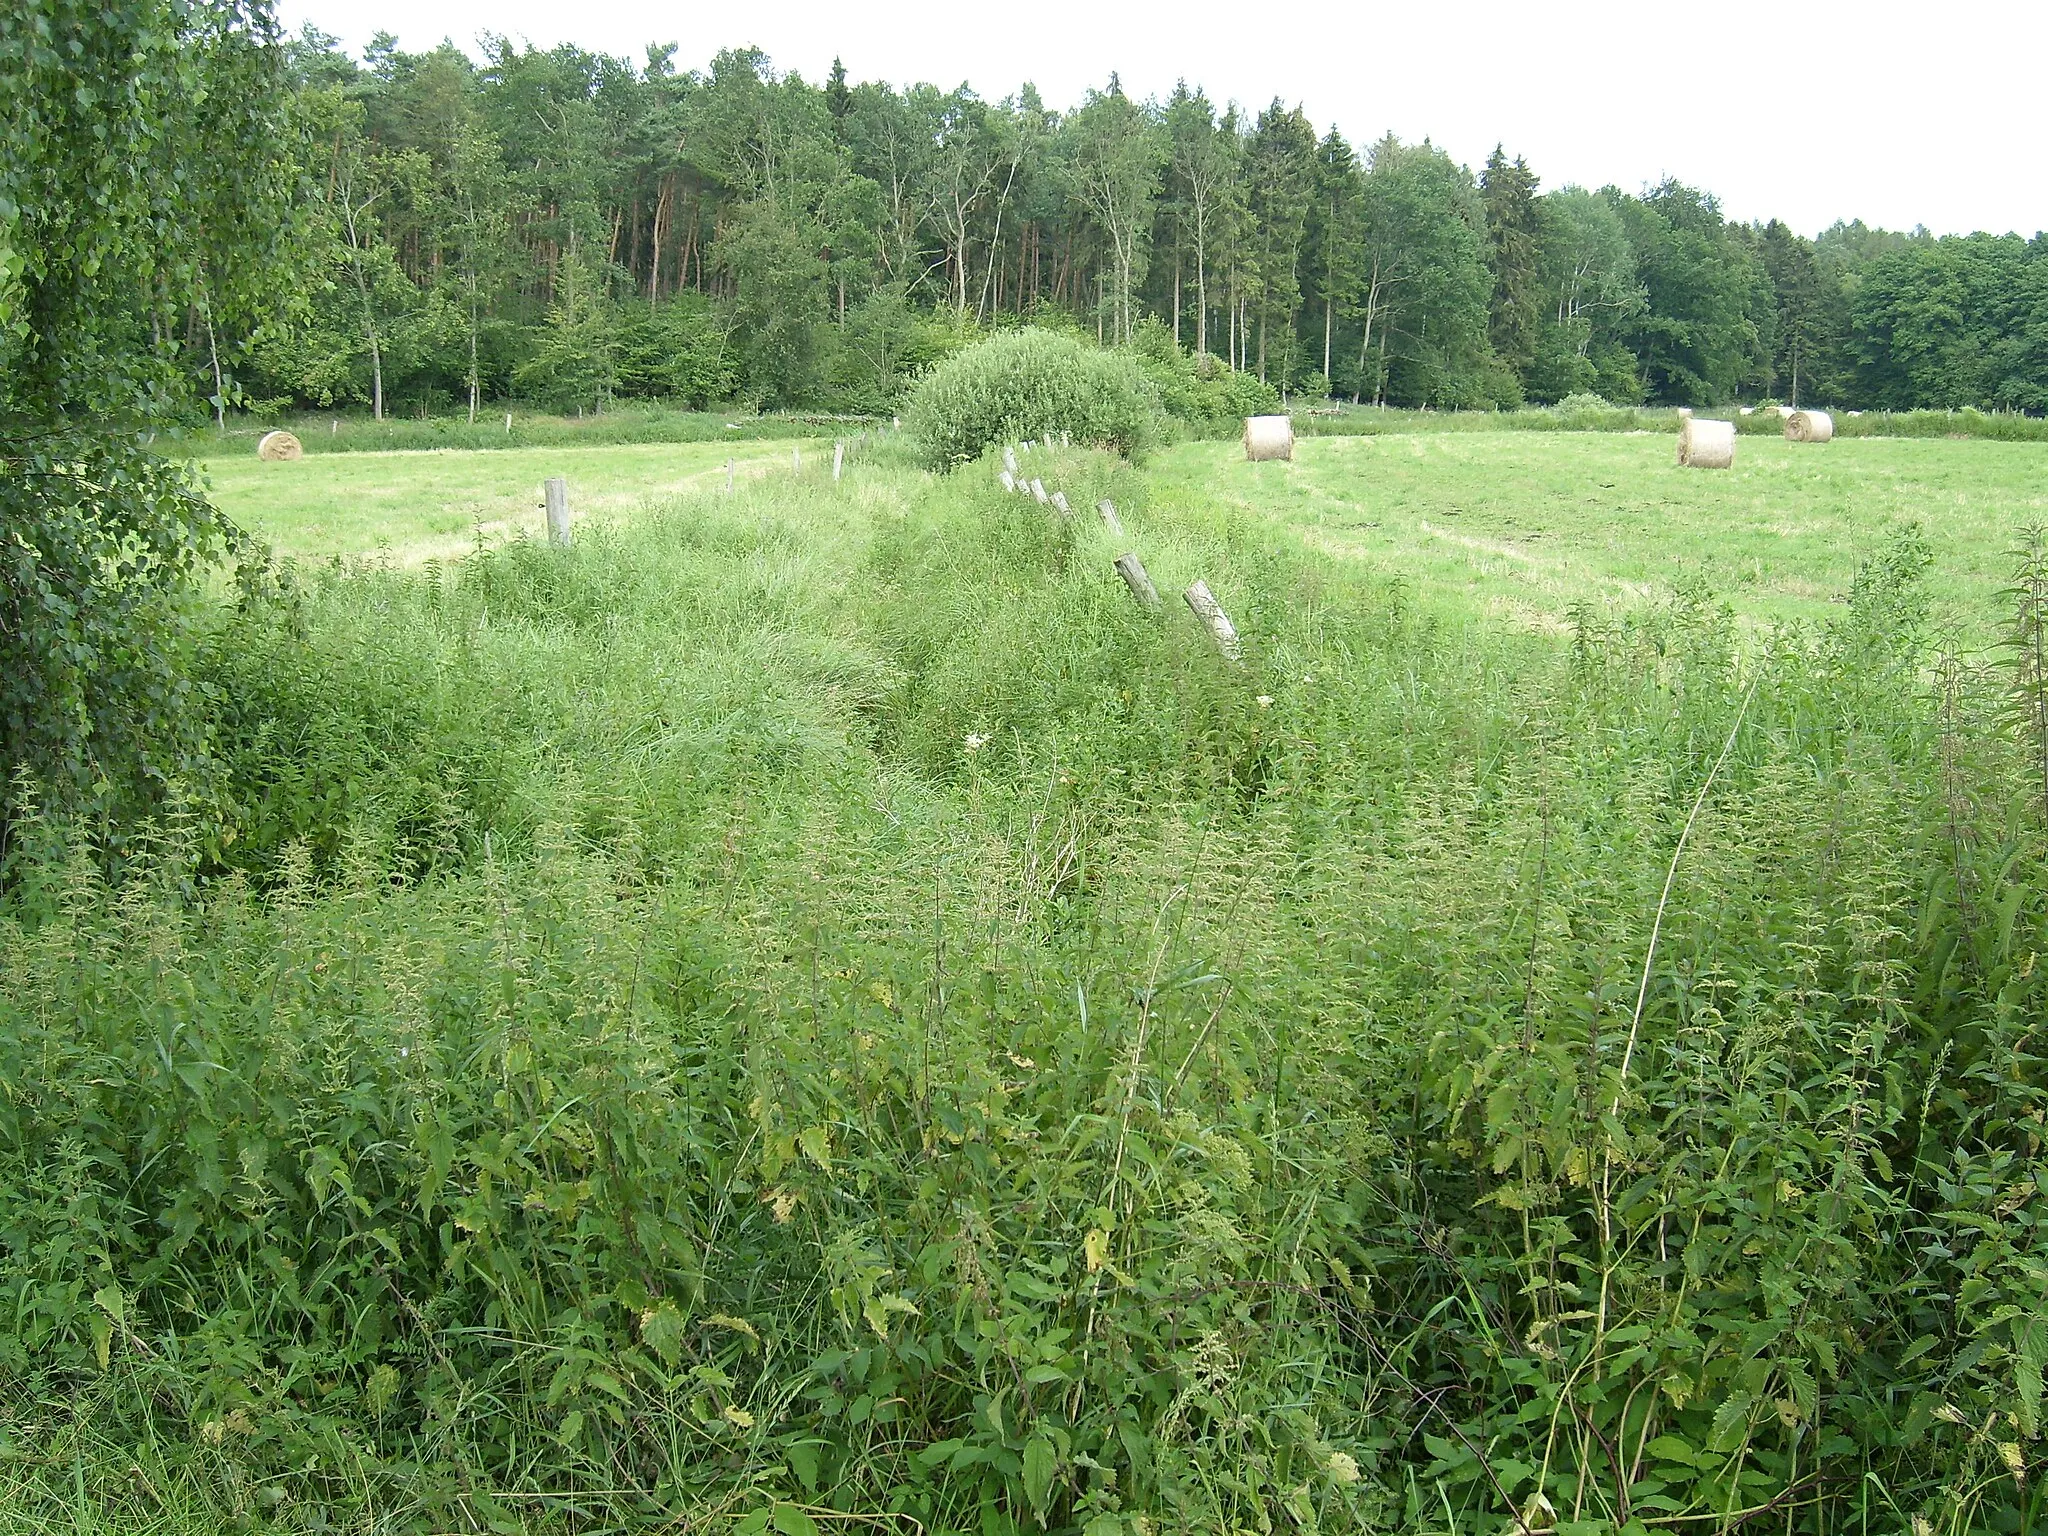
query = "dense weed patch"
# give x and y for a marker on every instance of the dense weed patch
(808, 1009)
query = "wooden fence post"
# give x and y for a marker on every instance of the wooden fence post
(796, 460)
(1010, 460)
(1059, 500)
(838, 458)
(1211, 613)
(557, 490)
(1009, 480)
(728, 477)
(1133, 572)
(1109, 518)
(1038, 490)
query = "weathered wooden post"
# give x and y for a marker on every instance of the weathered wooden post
(1009, 480)
(1010, 460)
(335, 429)
(508, 423)
(558, 509)
(1038, 491)
(1059, 499)
(838, 458)
(796, 460)
(1211, 613)
(1109, 518)
(728, 477)
(1132, 570)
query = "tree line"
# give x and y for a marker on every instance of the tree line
(571, 228)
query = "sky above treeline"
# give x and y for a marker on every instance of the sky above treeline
(1809, 112)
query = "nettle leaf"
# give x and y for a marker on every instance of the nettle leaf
(2026, 1374)
(1731, 1422)
(1041, 1464)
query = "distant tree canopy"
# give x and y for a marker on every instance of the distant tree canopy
(148, 190)
(570, 227)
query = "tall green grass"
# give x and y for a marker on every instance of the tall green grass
(813, 1012)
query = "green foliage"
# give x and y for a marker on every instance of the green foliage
(1027, 384)
(144, 171)
(1201, 391)
(675, 352)
(923, 1038)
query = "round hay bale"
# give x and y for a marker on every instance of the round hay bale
(277, 446)
(1809, 427)
(1685, 413)
(1268, 437)
(1706, 444)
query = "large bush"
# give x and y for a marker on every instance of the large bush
(1027, 384)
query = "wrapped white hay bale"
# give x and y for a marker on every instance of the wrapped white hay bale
(1268, 437)
(1684, 411)
(1706, 444)
(1809, 427)
(275, 447)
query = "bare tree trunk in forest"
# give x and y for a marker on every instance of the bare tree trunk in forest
(355, 257)
(654, 275)
(220, 393)
(1176, 295)
(991, 282)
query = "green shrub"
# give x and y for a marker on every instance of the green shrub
(1202, 391)
(1027, 384)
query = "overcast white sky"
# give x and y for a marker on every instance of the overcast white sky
(1807, 112)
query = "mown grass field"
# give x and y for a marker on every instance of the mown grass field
(1520, 525)
(810, 1011)
(436, 503)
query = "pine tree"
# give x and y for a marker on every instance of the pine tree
(1334, 239)
(1514, 231)
(838, 99)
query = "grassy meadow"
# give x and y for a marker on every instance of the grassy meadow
(811, 1011)
(431, 504)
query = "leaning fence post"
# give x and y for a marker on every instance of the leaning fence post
(1059, 499)
(1009, 480)
(1132, 569)
(1211, 613)
(557, 490)
(1109, 518)
(1038, 491)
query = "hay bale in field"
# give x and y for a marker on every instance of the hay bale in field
(1706, 444)
(1268, 437)
(276, 447)
(1809, 427)
(1684, 412)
